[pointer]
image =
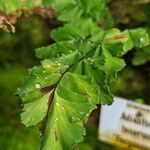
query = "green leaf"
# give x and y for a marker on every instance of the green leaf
(75, 72)
(81, 30)
(96, 9)
(34, 112)
(10, 6)
(141, 56)
(68, 32)
(79, 9)
(55, 50)
(117, 43)
(74, 12)
(40, 80)
(112, 65)
(63, 91)
(59, 5)
(92, 68)
(74, 99)
(140, 37)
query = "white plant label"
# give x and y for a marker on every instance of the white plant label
(126, 124)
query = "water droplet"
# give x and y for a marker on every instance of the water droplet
(45, 78)
(38, 86)
(141, 39)
(57, 103)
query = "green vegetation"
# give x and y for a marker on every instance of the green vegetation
(76, 74)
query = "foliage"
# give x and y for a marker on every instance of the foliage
(75, 71)
(142, 55)
(10, 6)
(129, 14)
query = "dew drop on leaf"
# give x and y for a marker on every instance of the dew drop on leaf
(141, 39)
(57, 103)
(38, 86)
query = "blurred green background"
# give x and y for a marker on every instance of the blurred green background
(17, 55)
